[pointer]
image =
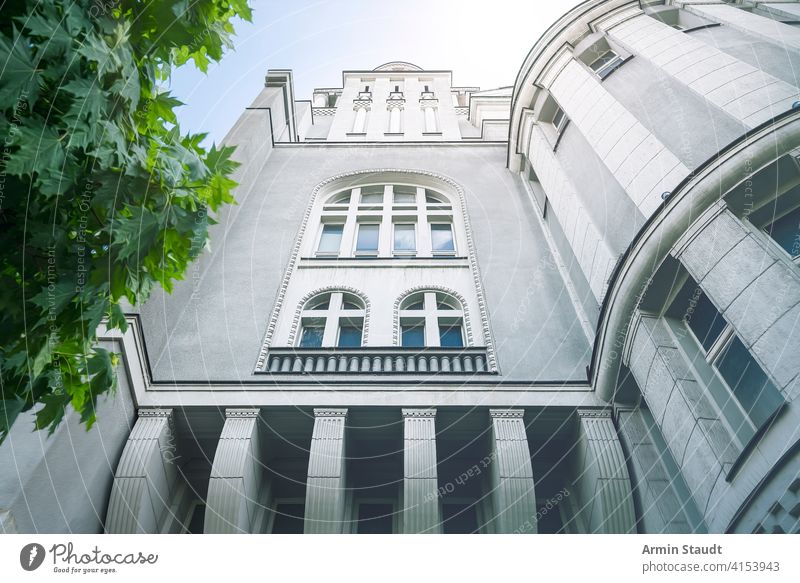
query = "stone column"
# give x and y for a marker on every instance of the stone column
(603, 483)
(236, 480)
(146, 477)
(513, 494)
(421, 508)
(741, 90)
(755, 289)
(325, 489)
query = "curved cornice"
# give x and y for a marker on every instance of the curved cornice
(739, 161)
(328, 186)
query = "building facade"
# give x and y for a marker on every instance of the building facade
(571, 305)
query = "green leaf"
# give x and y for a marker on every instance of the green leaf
(39, 147)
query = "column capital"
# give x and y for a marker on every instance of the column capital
(156, 412)
(241, 413)
(330, 412)
(507, 413)
(419, 412)
(594, 413)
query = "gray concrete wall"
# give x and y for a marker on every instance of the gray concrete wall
(213, 325)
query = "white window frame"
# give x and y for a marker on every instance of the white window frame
(333, 317)
(431, 315)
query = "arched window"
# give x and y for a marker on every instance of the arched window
(431, 318)
(332, 319)
(387, 220)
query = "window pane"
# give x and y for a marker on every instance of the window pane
(372, 195)
(414, 335)
(704, 320)
(311, 337)
(331, 239)
(320, 305)
(405, 194)
(349, 336)
(417, 305)
(442, 238)
(367, 238)
(405, 238)
(450, 336)
(558, 118)
(786, 232)
(603, 60)
(754, 391)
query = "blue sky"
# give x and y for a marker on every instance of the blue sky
(483, 43)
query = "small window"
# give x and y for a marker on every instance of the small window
(405, 238)
(413, 335)
(349, 336)
(605, 63)
(450, 336)
(312, 336)
(367, 243)
(786, 232)
(331, 239)
(560, 120)
(442, 238)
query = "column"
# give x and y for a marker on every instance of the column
(739, 89)
(513, 494)
(765, 29)
(603, 484)
(421, 508)
(755, 289)
(146, 477)
(638, 160)
(360, 123)
(232, 504)
(325, 488)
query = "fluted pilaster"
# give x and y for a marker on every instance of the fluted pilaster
(421, 508)
(146, 477)
(513, 493)
(236, 479)
(603, 483)
(325, 489)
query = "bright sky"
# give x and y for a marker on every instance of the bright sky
(482, 42)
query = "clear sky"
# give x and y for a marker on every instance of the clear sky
(482, 42)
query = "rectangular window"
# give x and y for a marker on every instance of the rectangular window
(311, 336)
(442, 238)
(560, 120)
(413, 335)
(749, 383)
(450, 336)
(405, 238)
(605, 63)
(349, 336)
(330, 240)
(786, 232)
(367, 243)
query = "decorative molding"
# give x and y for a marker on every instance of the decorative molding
(423, 288)
(329, 289)
(330, 412)
(419, 413)
(395, 104)
(594, 413)
(507, 413)
(241, 413)
(150, 412)
(473, 258)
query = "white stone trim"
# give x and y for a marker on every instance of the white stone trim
(293, 258)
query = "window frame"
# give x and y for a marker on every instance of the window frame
(404, 252)
(324, 225)
(435, 252)
(367, 252)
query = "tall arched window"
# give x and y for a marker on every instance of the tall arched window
(387, 220)
(431, 318)
(332, 319)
